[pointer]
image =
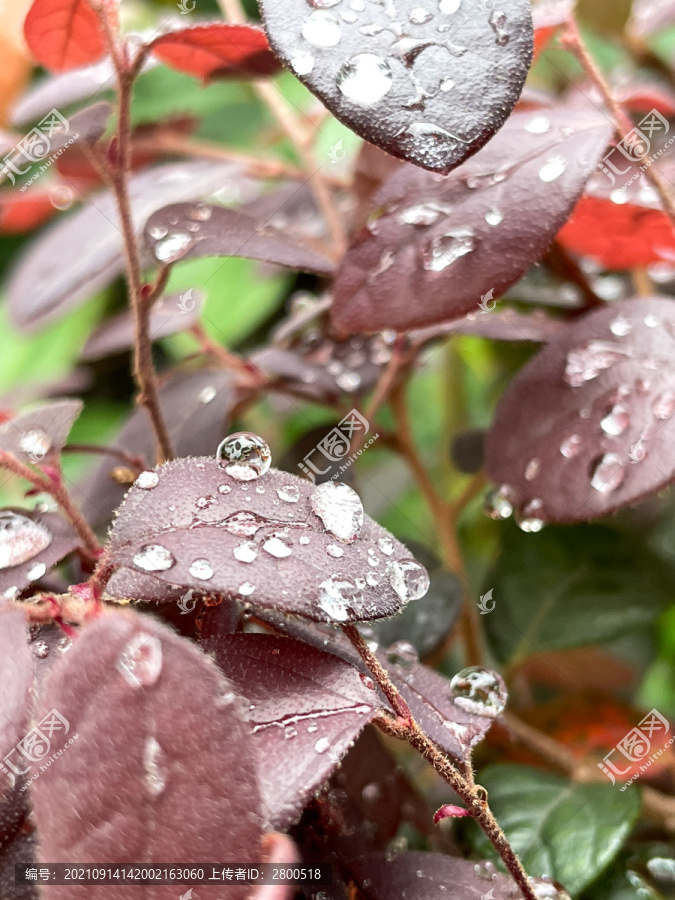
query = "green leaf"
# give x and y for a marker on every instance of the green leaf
(566, 830)
(567, 587)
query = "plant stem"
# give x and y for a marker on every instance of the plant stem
(57, 490)
(144, 371)
(572, 40)
(406, 728)
(135, 463)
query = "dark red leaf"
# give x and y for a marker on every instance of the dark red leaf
(31, 543)
(306, 709)
(450, 811)
(156, 764)
(170, 315)
(189, 231)
(217, 50)
(424, 876)
(454, 243)
(64, 34)
(403, 77)
(585, 428)
(277, 543)
(498, 325)
(54, 275)
(40, 433)
(16, 676)
(196, 408)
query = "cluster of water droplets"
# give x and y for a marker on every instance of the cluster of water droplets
(21, 539)
(173, 241)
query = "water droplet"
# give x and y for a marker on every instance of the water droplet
(303, 539)
(608, 474)
(499, 503)
(538, 125)
(348, 381)
(207, 395)
(173, 247)
(448, 7)
(246, 552)
(334, 550)
(147, 480)
(276, 547)
(246, 589)
(140, 663)
(247, 456)
(243, 524)
(200, 212)
(402, 653)
(529, 518)
(365, 79)
(664, 405)
(532, 469)
(386, 545)
(494, 217)
(652, 321)
(20, 539)
(444, 250)
(339, 508)
(36, 571)
(155, 774)
(36, 443)
(61, 197)
(201, 569)
(616, 422)
(621, 326)
(447, 85)
(571, 446)
(41, 649)
(500, 25)
(322, 29)
(423, 214)
(419, 15)
(302, 62)
(289, 493)
(157, 232)
(485, 870)
(479, 691)
(322, 745)
(224, 489)
(586, 363)
(552, 169)
(154, 558)
(337, 595)
(408, 578)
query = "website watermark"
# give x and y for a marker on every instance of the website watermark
(36, 147)
(636, 746)
(34, 748)
(636, 147)
(336, 446)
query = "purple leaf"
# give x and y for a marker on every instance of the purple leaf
(424, 876)
(54, 276)
(86, 126)
(276, 542)
(170, 315)
(31, 543)
(586, 426)
(16, 677)
(190, 231)
(156, 764)
(40, 432)
(430, 87)
(306, 709)
(497, 325)
(458, 242)
(196, 408)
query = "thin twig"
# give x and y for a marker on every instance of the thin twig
(135, 463)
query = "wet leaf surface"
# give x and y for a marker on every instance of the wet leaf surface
(183, 786)
(306, 709)
(32, 436)
(64, 34)
(196, 408)
(429, 87)
(31, 543)
(462, 241)
(16, 672)
(586, 427)
(497, 325)
(274, 542)
(190, 231)
(54, 276)
(216, 50)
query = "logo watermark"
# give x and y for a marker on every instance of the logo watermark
(484, 603)
(636, 147)
(485, 305)
(637, 452)
(337, 152)
(184, 603)
(186, 302)
(185, 8)
(636, 746)
(34, 747)
(35, 147)
(336, 446)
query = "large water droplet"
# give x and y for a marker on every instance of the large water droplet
(552, 169)
(154, 766)
(621, 326)
(289, 493)
(571, 446)
(499, 503)
(423, 214)
(494, 217)
(444, 250)
(201, 569)
(140, 663)
(246, 455)
(173, 247)
(501, 27)
(36, 443)
(386, 545)
(302, 62)
(616, 422)
(243, 524)
(36, 571)
(246, 552)
(402, 653)
(664, 405)
(276, 547)
(246, 589)
(337, 595)
(608, 474)
(339, 508)
(20, 539)
(154, 558)
(365, 79)
(538, 125)
(147, 480)
(322, 29)
(419, 15)
(408, 578)
(479, 691)
(335, 551)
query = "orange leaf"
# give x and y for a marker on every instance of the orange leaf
(64, 34)
(217, 50)
(21, 212)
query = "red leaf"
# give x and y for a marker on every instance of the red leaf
(64, 34)
(548, 17)
(23, 212)
(217, 50)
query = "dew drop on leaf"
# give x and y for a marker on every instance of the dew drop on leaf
(339, 508)
(479, 691)
(147, 480)
(442, 251)
(609, 473)
(173, 247)
(154, 558)
(365, 79)
(408, 578)
(201, 569)
(289, 493)
(36, 443)
(498, 503)
(538, 125)
(246, 552)
(245, 456)
(322, 29)
(140, 663)
(664, 405)
(571, 446)
(552, 169)
(154, 766)
(402, 653)
(276, 547)
(41, 649)
(20, 539)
